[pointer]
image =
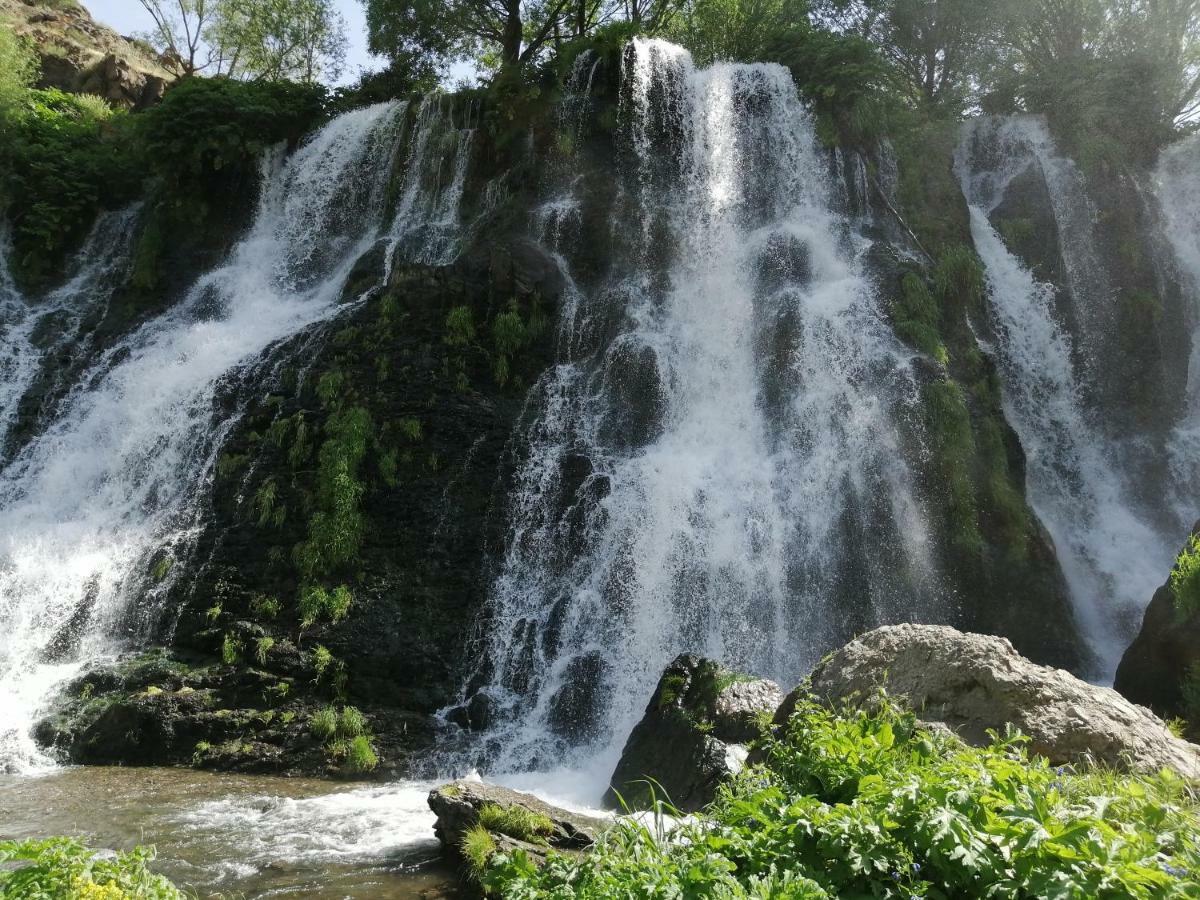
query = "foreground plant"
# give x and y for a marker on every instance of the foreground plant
(63, 869)
(872, 804)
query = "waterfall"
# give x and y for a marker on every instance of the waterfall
(115, 478)
(1177, 188)
(714, 463)
(1077, 477)
(36, 331)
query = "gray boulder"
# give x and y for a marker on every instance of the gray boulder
(459, 806)
(971, 683)
(693, 735)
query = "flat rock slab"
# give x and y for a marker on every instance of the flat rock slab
(974, 683)
(457, 808)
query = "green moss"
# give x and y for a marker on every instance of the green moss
(916, 315)
(948, 427)
(162, 568)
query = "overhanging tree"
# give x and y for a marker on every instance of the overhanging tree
(507, 34)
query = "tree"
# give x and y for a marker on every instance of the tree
(939, 47)
(179, 29)
(1109, 73)
(650, 16)
(505, 33)
(278, 39)
(740, 30)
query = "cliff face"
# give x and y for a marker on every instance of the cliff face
(359, 507)
(80, 55)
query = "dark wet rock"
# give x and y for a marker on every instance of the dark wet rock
(1164, 655)
(973, 684)
(693, 735)
(574, 709)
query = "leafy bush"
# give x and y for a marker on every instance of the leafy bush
(335, 530)
(18, 69)
(870, 804)
(360, 756)
(62, 159)
(323, 723)
(63, 867)
(208, 132)
(351, 723)
(1185, 579)
(321, 659)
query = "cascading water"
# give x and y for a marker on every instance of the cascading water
(115, 477)
(426, 227)
(714, 464)
(36, 330)
(1177, 188)
(1077, 477)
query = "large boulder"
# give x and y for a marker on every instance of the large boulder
(1162, 657)
(973, 684)
(692, 736)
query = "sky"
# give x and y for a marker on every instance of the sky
(129, 17)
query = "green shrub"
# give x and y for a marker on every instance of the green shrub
(313, 600)
(351, 723)
(321, 659)
(323, 723)
(460, 327)
(871, 804)
(63, 867)
(61, 161)
(335, 530)
(1185, 579)
(360, 756)
(18, 69)
(231, 649)
(208, 133)
(264, 607)
(478, 847)
(262, 646)
(516, 821)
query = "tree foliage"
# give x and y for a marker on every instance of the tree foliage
(251, 39)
